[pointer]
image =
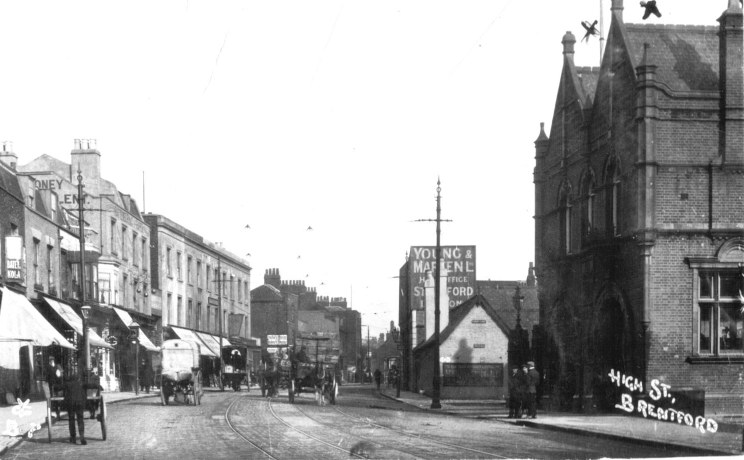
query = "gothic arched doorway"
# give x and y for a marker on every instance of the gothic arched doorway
(611, 350)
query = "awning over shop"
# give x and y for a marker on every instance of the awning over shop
(20, 321)
(76, 322)
(146, 342)
(126, 318)
(189, 335)
(213, 342)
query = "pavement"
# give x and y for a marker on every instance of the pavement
(671, 435)
(21, 419)
(726, 441)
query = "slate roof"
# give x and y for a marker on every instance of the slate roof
(9, 182)
(266, 293)
(457, 314)
(686, 56)
(500, 296)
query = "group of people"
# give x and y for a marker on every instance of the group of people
(392, 377)
(523, 391)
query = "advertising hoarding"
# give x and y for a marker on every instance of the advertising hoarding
(458, 261)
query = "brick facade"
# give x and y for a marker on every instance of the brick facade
(639, 192)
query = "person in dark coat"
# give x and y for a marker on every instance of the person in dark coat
(75, 403)
(378, 378)
(56, 382)
(515, 402)
(145, 375)
(533, 379)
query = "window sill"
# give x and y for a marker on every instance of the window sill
(733, 358)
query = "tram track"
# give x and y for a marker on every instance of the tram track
(338, 434)
(272, 451)
(239, 433)
(417, 435)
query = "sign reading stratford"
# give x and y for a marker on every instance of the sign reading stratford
(459, 263)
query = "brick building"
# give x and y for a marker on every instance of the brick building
(639, 215)
(277, 306)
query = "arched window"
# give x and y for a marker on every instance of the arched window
(564, 208)
(612, 210)
(587, 208)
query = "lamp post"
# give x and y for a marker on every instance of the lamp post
(221, 317)
(368, 353)
(396, 339)
(135, 327)
(81, 236)
(85, 309)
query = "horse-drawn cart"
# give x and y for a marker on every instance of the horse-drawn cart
(181, 374)
(318, 374)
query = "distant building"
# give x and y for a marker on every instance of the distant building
(278, 307)
(639, 211)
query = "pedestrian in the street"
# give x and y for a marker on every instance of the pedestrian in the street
(75, 402)
(515, 402)
(378, 378)
(522, 387)
(145, 376)
(533, 379)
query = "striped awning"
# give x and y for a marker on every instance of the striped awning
(20, 321)
(76, 322)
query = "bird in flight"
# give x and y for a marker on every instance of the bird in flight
(651, 8)
(309, 227)
(591, 29)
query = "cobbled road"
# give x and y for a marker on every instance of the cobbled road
(362, 424)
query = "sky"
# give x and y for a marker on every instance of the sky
(335, 115)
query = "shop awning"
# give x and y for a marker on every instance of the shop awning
(213, 342)
(20, 321)
(76, 322)
(126, 318)
(191, 336)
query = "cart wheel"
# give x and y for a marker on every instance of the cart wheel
(291, 391)
(103, 418)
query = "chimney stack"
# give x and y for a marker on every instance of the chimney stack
(87, 159)
(7, 156)
(731, 85)
(272, 277)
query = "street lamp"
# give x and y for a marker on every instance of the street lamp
(396, 339)
(135, 327)
(85, 309)
(368, 354)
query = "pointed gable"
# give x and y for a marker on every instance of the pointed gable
(459, 313)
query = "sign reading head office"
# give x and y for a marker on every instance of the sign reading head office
(458, 261)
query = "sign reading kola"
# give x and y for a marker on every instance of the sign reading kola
(458, 261)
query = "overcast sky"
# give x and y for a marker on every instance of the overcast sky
(339, 115)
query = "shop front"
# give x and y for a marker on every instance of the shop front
(27, 339)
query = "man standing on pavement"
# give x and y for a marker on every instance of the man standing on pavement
(75, 402)
(514, 397)
(378, 378)
(533, 379)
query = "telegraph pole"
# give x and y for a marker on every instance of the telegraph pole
(219, 305)
(436, 390)
(81, 230)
